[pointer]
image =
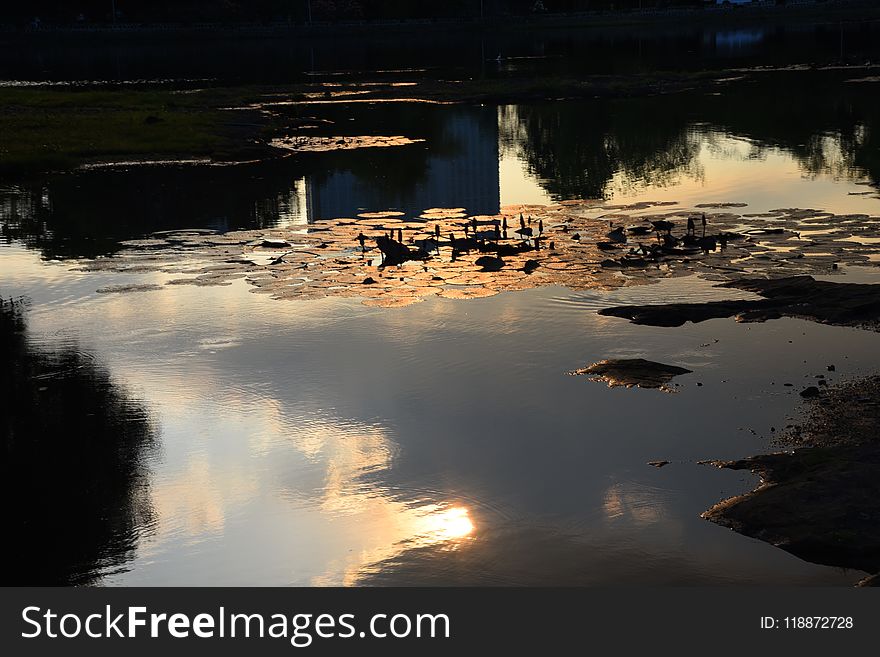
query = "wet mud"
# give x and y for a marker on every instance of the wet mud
(390, 259)
(633, 373)
(821, 500)
(839, 304)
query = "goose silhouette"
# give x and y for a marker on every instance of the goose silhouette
(617, 235)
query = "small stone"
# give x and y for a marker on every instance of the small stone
(811, 391)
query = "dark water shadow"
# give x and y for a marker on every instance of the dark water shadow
(75, 483)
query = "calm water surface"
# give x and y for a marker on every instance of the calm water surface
(324, 442)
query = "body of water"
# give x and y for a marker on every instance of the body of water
(266, 442)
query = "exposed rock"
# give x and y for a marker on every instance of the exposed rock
(274, 244)
(820, 502)
(841, 304)
(631, 372)
(122, 289)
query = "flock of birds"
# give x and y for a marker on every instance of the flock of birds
(667, 244)
(493, 236)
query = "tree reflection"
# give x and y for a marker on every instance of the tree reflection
(87, 213)
(829, 125)
(576, 149)
(585, 149)
(75, 485)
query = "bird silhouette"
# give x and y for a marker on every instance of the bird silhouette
(525, 232)
(616, 235)
(662, 226)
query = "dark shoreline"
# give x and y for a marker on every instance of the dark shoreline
(821, 501)
(833, 10)
(236, 123)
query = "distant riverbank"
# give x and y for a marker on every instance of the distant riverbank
(65, 126)
(766, 12)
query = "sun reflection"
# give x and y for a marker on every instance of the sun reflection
(437, 524)
(403, 528)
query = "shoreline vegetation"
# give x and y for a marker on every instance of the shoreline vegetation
(45, 129)
(52, 127)
(57, 127)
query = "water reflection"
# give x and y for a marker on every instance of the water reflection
(576, 149)
(749, 136)
(87, 213)
(619, 147)
(326, 443)
(735, 40)
(459, 161)
(73, 468)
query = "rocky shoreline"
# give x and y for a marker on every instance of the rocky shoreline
(821, 500)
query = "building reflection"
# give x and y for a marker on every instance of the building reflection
(462, 173)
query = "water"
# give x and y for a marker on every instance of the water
(324, 442)
(454, 52)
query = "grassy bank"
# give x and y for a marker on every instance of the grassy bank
(57, 128)
(49, 128)
(60, 127)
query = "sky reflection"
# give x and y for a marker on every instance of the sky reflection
(327, 443)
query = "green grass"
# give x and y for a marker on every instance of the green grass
(60, 128)
(45, 128)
